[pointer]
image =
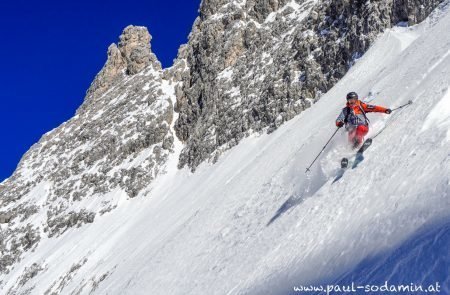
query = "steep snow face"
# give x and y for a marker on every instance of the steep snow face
(430, 248)
(255, 223)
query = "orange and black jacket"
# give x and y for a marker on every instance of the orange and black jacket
(355, 114)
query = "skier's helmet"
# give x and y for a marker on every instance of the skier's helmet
(352, 95)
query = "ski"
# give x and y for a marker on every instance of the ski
(366, 144)
(358, 159)
(344, 163)
(359, 154)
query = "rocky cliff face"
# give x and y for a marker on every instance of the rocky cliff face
(249, 66)
(253, 65)
(118, 141)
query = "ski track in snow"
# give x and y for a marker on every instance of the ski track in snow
(255, 223)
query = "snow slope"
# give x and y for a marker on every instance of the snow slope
(428, 266)
(255, 223)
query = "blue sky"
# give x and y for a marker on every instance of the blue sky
(52, 50)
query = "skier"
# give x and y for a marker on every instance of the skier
(353, 116)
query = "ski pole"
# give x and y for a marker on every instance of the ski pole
(382, 129)
(406, 104)
(307, 169)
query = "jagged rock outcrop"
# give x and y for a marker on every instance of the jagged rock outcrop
(129, 57)
(118, 141)
(253, 65)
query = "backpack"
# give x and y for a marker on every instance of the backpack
(349, 109)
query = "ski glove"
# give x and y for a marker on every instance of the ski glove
(340, 124)
(388, 111)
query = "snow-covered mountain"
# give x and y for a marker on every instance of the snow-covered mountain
(101, 206)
